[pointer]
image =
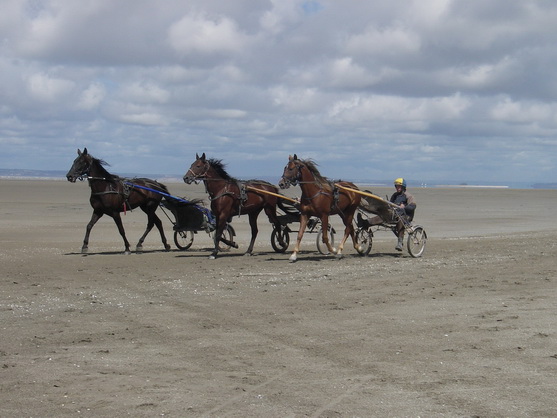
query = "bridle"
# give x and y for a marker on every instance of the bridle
(297, 179)
(201, 176)
(85, 172)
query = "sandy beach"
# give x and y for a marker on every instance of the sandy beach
(467, 330)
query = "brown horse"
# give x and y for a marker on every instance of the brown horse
(230, 197)
(111, 194)
(320, 198)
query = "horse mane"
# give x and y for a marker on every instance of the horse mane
(312, 167)
(100, 164)
(219, 167)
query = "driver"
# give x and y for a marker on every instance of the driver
(406, 207)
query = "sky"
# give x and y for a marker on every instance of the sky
(431, 90)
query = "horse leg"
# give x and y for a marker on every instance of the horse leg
(158, 224)
(325, 236)
(150, 224)
(303, 224)
(94, 218)
(118, 222)
(357, 247)
(271, 212)
(152, 219)
(253, 224)
(221, 223)
(348, 232)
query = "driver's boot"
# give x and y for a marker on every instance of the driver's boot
(400, 243)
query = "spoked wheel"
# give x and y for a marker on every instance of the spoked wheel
(364, 240)
(228, 234)
(277, 236)
(321, 247)
(183, 239)
(416, 242)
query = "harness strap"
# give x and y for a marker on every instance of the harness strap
(320, 192)
(126, 187)
(106, 192)
(243, 196)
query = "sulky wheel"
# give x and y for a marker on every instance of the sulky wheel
(416, 241)
(277, 236)
(364, 240)
(183, 239)
(321, 245)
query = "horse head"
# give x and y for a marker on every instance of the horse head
(198, 169)
(291, 175)
(80, 166)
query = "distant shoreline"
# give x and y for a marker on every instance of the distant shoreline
(32, 175)
(469, 186)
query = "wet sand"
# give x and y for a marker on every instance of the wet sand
(469, 329)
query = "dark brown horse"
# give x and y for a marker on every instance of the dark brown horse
(230, 197)
(111, 194)
(320, 198)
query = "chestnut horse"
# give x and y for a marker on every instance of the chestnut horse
(320, 198)
(111, 194)
(230, 197)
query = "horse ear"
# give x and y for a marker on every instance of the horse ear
(84, 151)
(203, 157)
(196, 156)
(78, 152)
(295, 157)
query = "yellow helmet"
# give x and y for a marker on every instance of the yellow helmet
(400, 182)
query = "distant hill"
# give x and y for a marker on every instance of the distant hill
(21, 173)
(544, 186)
(16, 173)
(60, 175)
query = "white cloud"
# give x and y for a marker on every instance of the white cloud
(201, 34)
(281, 15)
(322, 78)
(140, 92)
(364, 110)
(147, 119)
(92, 96)
(48, 89)
(530, 112)
(296, 99)
(345, 73)
(389, 41)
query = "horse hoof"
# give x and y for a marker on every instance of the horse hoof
(167, 247)
(292, 258)
(339, 256)
(212, 257)
(84, 250)
(138, 249)
(248, 254)
(127, 252)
